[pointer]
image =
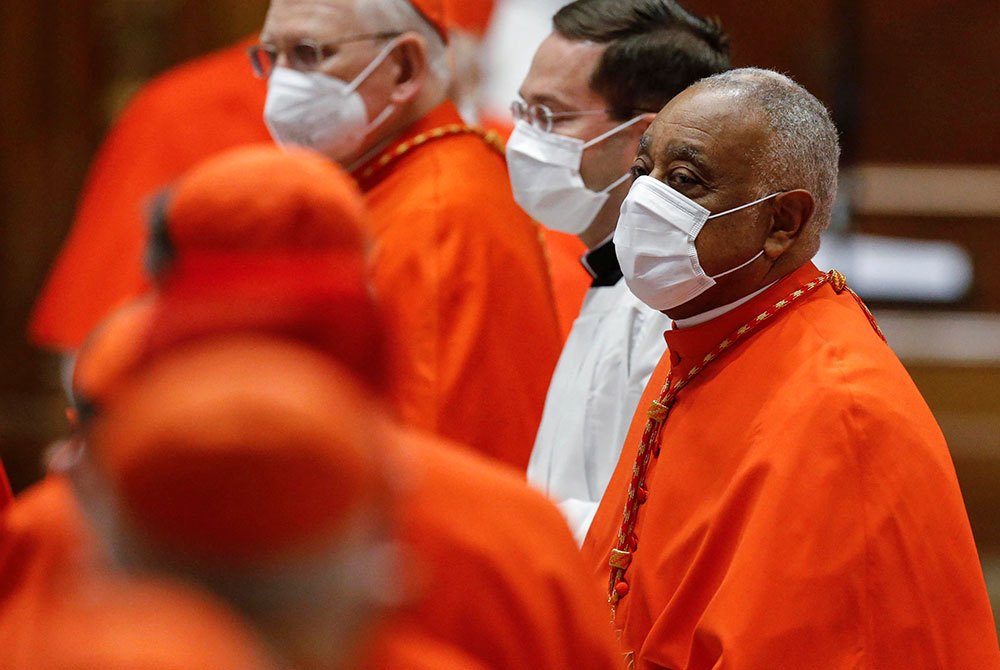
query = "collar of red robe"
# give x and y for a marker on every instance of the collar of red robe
(696, 341)
(442, 116)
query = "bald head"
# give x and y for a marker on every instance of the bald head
(802, 149)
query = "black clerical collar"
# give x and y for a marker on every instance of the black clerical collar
(602, 264)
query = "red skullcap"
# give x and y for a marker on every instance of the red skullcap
(239, 448)
(470, 15)
(434, 12)
(265, 198)
(269, 240)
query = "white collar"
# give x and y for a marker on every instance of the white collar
(705, 317)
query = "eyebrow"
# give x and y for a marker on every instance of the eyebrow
(688, 153)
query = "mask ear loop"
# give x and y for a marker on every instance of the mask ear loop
(749, 204)
(617, 182)
(740, 266)
(368, 69)
(600, 138)
(365, 73)
(613, 131)
(380, 119)
(736, 209)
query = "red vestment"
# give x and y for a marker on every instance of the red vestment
(803, 511)
(45, 549)
(461, 272)
(470, 15)
(5, 492)
(116, 623)
(503, 580)
(570, 281)
(413, 650)
(185, 115)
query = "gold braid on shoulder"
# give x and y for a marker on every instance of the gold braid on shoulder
(490, 137)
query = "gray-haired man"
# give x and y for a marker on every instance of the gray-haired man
(785, 498)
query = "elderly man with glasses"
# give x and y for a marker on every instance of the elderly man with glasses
(594, 87)
(458, 266)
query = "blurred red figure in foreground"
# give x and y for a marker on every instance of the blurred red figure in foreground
(185, 115)
(492, 571)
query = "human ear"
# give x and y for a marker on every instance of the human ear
(792, 211)
(412, 66)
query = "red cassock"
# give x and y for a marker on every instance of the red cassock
(500, 578)
(803, 509)
(462, 274)
(60, 610)
(45, 549)
(5, 493)
(115, 623)
(570, 281)
(191, 112)
(414, 650)
(503, 580)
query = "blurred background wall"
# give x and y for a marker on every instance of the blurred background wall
(912, 84)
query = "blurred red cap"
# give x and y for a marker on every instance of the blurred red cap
(124, 625)
(267, 199)
(271, 240)
(470, 15)
(434, 12)
(239, 448)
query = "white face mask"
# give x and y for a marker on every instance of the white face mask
(320, 112)
(545, 177)
(654, 242)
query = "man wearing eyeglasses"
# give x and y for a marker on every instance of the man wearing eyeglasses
(593, 88)
(458, 266)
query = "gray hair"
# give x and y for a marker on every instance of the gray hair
(804, 151)
(379, 15)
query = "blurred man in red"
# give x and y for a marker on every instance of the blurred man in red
(500, 577)
(291, 266)
(192, 111)
(457, 265)
(197, 109)
(130, 623)
(472, 301)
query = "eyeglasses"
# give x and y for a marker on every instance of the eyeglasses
(541, 117)
(305, 55)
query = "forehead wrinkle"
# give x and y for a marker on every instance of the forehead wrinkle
(296, 21)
